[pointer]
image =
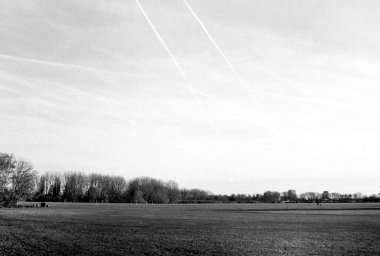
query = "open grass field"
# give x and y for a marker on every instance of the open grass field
(233, 229)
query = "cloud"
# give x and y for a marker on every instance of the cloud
(85, 85)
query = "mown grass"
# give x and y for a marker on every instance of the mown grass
(239, 229)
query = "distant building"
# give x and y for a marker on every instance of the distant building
(292, 195)
(325, 195)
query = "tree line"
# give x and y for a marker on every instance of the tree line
(95, 187)
(20, 182)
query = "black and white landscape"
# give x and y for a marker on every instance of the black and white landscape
(189, 127)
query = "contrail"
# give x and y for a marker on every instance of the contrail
(58, 64)
(212, 40)
(163, 43)
(229, 63)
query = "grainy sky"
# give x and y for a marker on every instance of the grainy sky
(87, 86)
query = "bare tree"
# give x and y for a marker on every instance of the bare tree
(22, 180)
(173, 192)
(7, 164)
(76, 186)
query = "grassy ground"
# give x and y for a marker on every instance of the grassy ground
(238, 229)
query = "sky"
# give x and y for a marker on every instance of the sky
(293, 103)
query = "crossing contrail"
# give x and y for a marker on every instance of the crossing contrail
(163, 43)
(229, 63)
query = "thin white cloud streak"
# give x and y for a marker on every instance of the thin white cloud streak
(213, 41)
(163, 43)
(10, 77)
(57, 97)
(71, 89)
(232, 67)
(7, 77)
(59, 64)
